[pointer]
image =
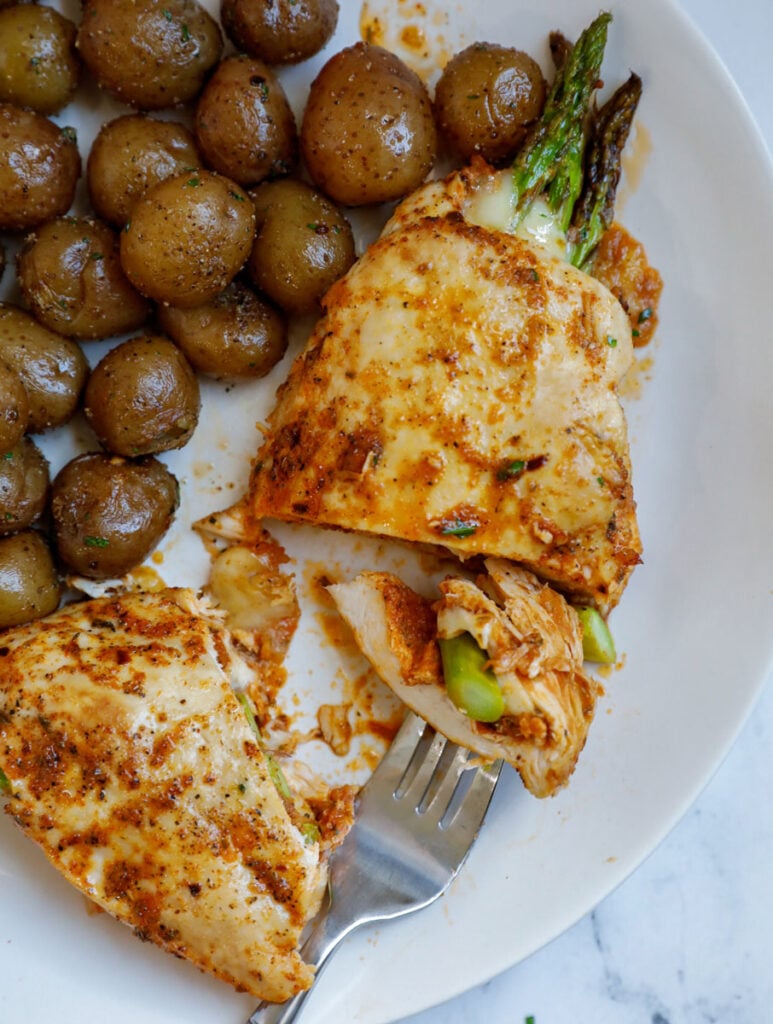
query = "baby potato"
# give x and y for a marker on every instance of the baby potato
(39, 67)
(70, 274)
(39, 168)
(237, 334)
(142, 397)
(14, 407)
(52, 369)
(244, 125)
(302, 244)
(24, 483)
(109, 513)
(131, 154)
(187, 238)
(149, 54)
(29, 585)
(486, 98)
(282, 32)
(368, 135)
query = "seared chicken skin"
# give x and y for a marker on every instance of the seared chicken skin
(131, 763)
(533, 642)
(460, 390)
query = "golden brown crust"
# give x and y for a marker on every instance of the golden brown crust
(460, 391)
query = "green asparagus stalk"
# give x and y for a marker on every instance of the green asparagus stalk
(552, 155)
(276, 773)
(595, 208)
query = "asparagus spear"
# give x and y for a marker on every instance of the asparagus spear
(551, 156)
(595, 208)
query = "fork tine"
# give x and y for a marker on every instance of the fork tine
(393, 764)
(415, 788)
(467, 816)
(445, 781)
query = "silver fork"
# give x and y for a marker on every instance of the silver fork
(417, 818)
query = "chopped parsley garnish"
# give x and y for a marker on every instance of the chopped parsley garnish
(612, 342)
(511, 469)
(646, 314)
(185, 32)
(96, 542)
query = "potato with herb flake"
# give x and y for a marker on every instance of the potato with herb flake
(244, 125)
(148, 54)
(303, 244)
(39, 67)
(39, 168)
(187, 238)
(109, 513)
(71, 277)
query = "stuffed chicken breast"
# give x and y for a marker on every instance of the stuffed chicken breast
(496, 664)
(129, 759)
(460, 390)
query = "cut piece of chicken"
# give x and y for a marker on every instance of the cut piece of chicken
(533, 641)
(132, 764)
(460, 390)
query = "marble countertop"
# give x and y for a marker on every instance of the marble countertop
(688, 938)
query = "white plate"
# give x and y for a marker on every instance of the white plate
(695, 624)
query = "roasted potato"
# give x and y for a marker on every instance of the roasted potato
(14, 407)
(39, 67)
(70, 274)
(53, 369)
(146, 53)
(109, 513)
(244, 126)
(281, 32)
(237, 334)
(485, 100)
(187, 238)
(39, 168)
(131, 154)
(142, 397)
(24, 483)
(29, 585)
(368, 135)
(303, 243)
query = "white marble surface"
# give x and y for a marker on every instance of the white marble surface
(688, 938)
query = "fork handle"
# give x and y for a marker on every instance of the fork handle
(323, 939)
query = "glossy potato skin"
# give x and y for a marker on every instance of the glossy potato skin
(244, 126)
(238, 334)
(39, 67)
(303, 243)
(29, 585)
(24, 483)
(39, 168)
(149, 54)
(109, 513)
(485, 100)
(280, 32)
(131, 154)
(187, 238)
(52, 368)
(70, 274)
(368, 134)
(142, 397)
(14, 407)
